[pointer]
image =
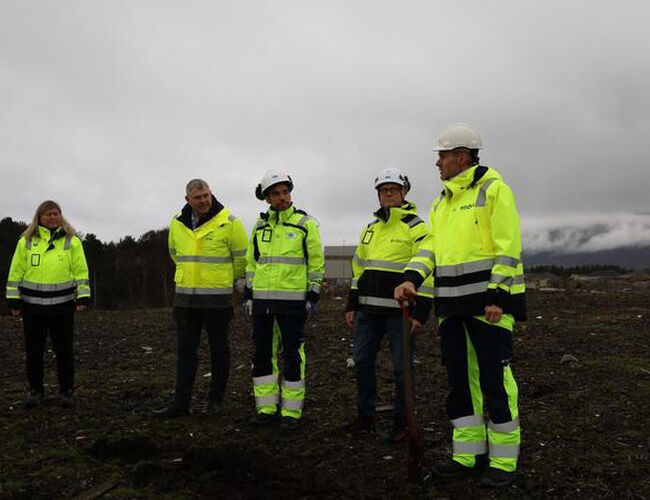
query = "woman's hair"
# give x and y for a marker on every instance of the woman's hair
(40, 210)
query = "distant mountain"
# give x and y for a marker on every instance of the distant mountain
(637, 257)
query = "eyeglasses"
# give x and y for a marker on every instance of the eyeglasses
(390, 190)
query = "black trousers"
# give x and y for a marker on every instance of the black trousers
(60, 329)
(190, 322)
(292, 329)
(489, 351)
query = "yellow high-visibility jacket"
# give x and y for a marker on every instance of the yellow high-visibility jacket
(386, 246)
(473, 248)
(285, 261)
(208, 258)
(48, 270)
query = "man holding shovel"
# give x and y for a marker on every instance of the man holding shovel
(474, 253)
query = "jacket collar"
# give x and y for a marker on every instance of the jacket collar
(406, 208)
(278, 215)
(49, 236)
(186, 213)
(468, 179)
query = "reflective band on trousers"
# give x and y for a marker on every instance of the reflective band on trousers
(459, 291)
(266, 379)
(203, 291)
(315, 276)
(292, 404)
(353, 283)
(378, 301)
(238, 253)
(49, 301)
(266, 400)
(278, 295)
(385, 264)
(47, 287)
(464, 268)
(281, 260)
(250, 274)
(13, 294)
(480, 199)
(297, 384)
(13, 283)
(469, 421)
(470, 447)
(204, 259)
(511, 426)
(314, 288)
(504, 450)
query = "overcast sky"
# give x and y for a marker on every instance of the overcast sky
(110, 107)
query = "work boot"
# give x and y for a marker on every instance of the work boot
(360, 425)
(174, 410)
(212, 407)
(452, 468)
(67, 398)
(34, 398)
(497, 477)
(398, 432)
(263, 419)
(289, 423)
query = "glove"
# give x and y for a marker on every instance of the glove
(310, 307)
(247, 309)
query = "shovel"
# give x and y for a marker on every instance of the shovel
(414, 458)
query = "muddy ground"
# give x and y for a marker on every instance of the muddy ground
(585, 419)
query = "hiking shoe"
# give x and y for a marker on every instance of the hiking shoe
(33, 399)
(497, 477)
(211, 408)
(451, 468)
(289, 423)
(67, 399)
(398, 432)
(360, 425)
(171, 411)
(263, 419)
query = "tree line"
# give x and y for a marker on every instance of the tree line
(132, 273)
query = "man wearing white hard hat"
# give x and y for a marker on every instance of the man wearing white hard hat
(386, 245)
(474, 254)
(284, 271)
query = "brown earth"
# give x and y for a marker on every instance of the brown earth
(584, 419)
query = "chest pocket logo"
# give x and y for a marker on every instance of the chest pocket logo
(36, 260)
(266, 235)
(367, 237)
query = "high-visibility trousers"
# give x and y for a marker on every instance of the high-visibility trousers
(269, 331)
(477, 357)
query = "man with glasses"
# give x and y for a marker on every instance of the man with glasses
(386, 245)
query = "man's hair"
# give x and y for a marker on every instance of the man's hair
(195, 184)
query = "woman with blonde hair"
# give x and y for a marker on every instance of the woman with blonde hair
(48, 281)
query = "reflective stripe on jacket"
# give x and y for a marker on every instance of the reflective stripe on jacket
(385, 247)
(49, 269)
(209, 258)
(474, 246)
(285, 260)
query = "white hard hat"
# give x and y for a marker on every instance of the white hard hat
(393, 175)
(458, 135)
(271, 178)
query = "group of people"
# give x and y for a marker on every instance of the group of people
(466, 265)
